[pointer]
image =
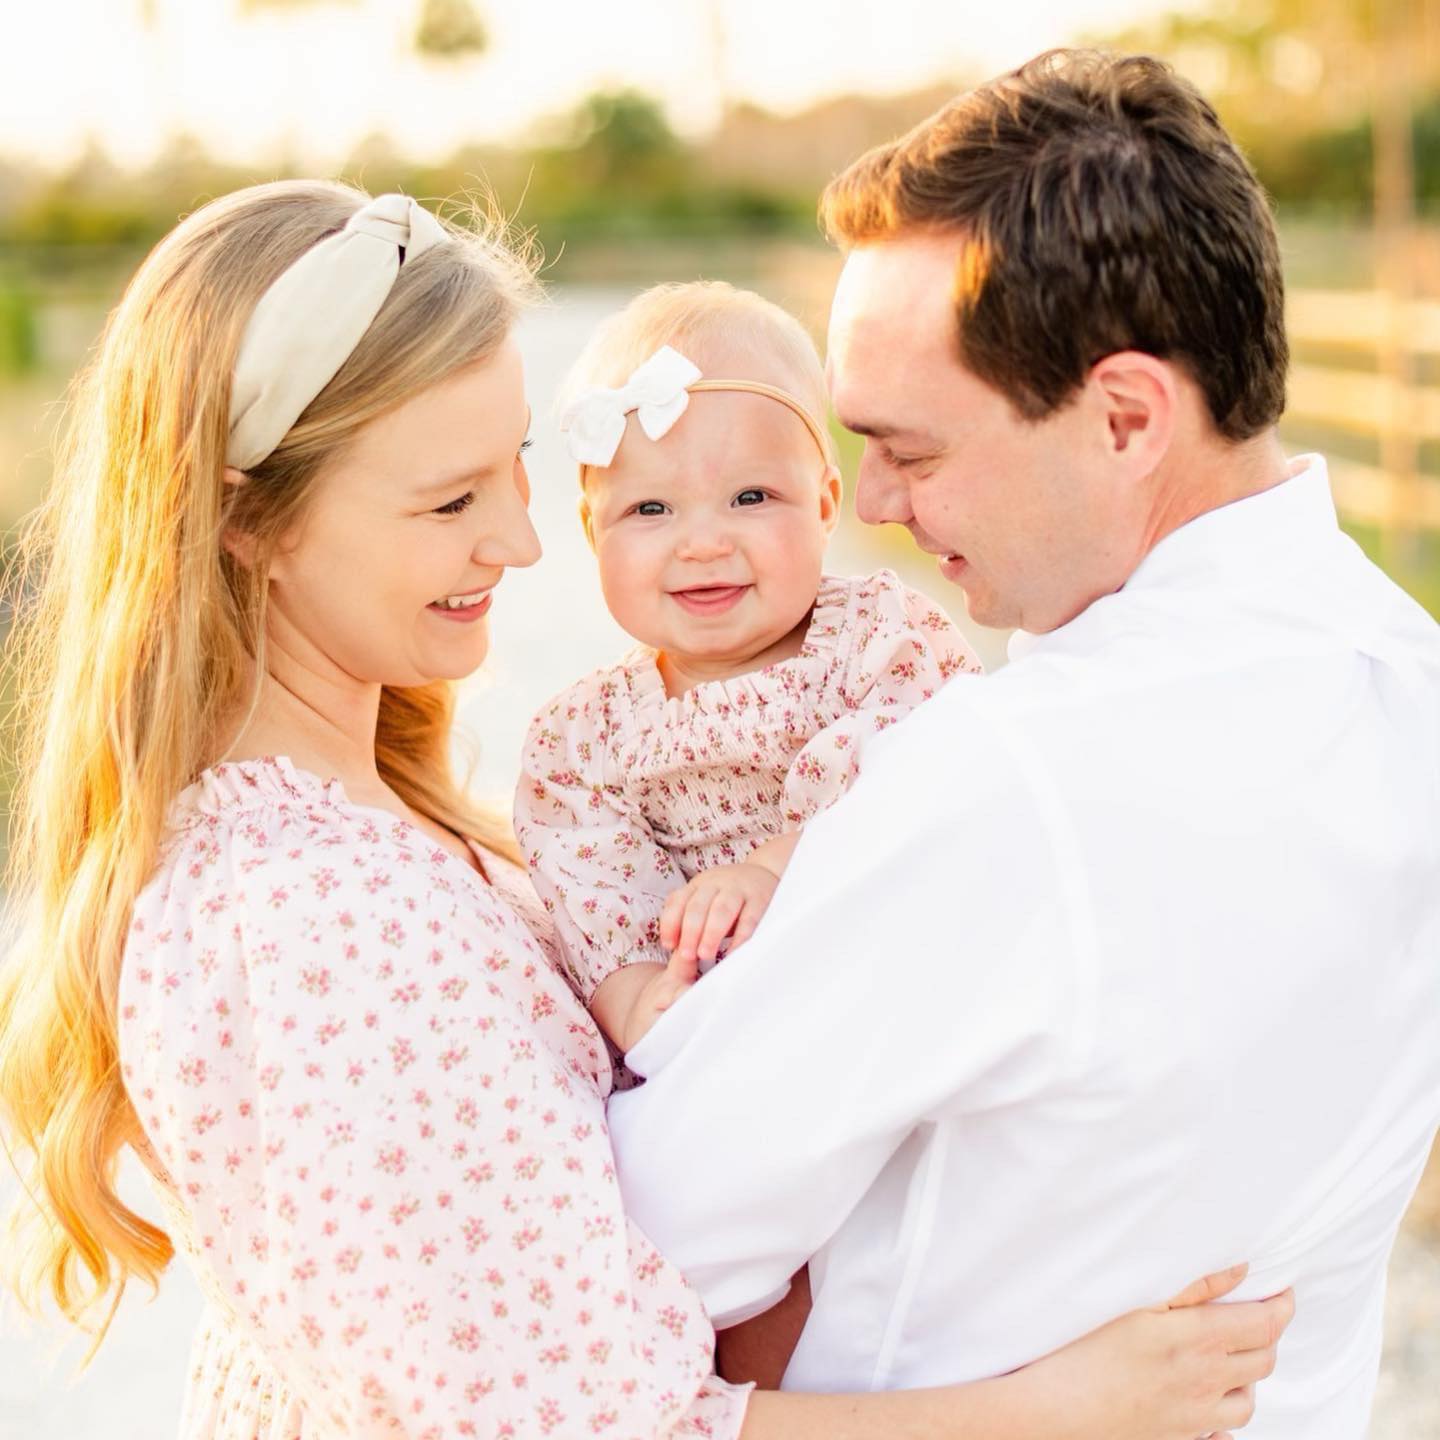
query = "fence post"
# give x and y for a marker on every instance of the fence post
(1394, 139)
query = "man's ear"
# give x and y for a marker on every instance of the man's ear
(587, 520)
(1140, 400)
(832, 494)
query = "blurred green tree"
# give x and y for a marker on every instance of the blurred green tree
(450, 30)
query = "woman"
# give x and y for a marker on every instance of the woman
(265, 941)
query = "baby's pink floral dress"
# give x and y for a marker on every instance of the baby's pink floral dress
(625, 793)
(376, 1116)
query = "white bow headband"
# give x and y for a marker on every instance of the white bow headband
(312, 317)
(658, 392)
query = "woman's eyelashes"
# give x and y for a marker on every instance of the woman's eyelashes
(463, 502)
(459, 503)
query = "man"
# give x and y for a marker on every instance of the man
(1123, 963)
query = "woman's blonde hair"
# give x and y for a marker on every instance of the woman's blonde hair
(729, 333)
(137, 637)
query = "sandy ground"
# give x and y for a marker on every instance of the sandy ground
(550, 625)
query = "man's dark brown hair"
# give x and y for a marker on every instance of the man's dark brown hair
(1100, 206)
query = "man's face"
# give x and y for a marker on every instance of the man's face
(1027, 516)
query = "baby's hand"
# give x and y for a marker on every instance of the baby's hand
(725, 902)
(660, 989)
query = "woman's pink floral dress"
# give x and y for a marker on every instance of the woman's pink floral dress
(626, 793)
(376, 1113)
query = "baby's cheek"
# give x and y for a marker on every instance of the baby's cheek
(630, 583)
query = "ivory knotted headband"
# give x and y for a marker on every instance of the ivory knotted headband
(312, 317)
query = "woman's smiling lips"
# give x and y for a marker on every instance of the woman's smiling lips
(709, 599)
(462, 613)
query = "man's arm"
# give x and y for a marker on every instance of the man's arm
(759, 1350)
(917, 961)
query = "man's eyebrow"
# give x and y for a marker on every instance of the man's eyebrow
(876, 431)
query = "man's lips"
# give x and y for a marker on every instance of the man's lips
(709, 599)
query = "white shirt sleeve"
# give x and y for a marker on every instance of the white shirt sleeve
(927, 954)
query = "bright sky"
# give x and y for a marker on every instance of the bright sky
(314, 80)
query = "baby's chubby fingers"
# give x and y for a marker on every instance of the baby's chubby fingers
(670, 917)
(718, 924)
(692, 923)
(746, 925)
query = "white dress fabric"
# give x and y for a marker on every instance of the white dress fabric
(376, 1116)
(1116, 967)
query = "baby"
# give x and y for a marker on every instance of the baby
(662, 796)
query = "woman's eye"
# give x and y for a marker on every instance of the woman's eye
(526, 443)
(455, 506)
(750, 497)
(650, 507)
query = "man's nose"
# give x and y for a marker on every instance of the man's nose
(881, 496)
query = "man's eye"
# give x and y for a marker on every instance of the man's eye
(905, 462)
(750, 497)
(455, 506)
(650, 507)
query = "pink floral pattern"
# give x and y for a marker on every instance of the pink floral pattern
(626, 793)
(375, 1114)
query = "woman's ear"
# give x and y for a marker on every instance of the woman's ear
(238, 544)
(832, 494)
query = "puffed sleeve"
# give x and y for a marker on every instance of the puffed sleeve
(594, 863)
(902, 648)
(402, 1192)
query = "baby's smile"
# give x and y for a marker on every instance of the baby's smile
(710, 599)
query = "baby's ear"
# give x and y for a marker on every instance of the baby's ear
(832, 494)
(587, 520)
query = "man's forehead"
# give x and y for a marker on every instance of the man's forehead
(892, 320)
(891, 284)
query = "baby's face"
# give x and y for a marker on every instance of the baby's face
(710, 539)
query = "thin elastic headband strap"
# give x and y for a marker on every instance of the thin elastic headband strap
(308, 322)
(758, 387)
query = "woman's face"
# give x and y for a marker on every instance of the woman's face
(427, 505)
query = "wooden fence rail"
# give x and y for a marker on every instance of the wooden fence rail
(1365, 400)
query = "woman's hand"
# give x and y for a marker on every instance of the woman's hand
(1173, 1372)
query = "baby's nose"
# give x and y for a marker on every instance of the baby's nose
(705, 540)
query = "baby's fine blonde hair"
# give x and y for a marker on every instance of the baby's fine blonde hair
(731, 334)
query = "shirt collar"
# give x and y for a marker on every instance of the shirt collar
(1254, 536)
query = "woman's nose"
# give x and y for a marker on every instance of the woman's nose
(511, 540)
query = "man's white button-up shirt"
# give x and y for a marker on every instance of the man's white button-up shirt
(1116, 967)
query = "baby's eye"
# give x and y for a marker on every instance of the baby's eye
(650, 507)
(455, 506)
(750, 497)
